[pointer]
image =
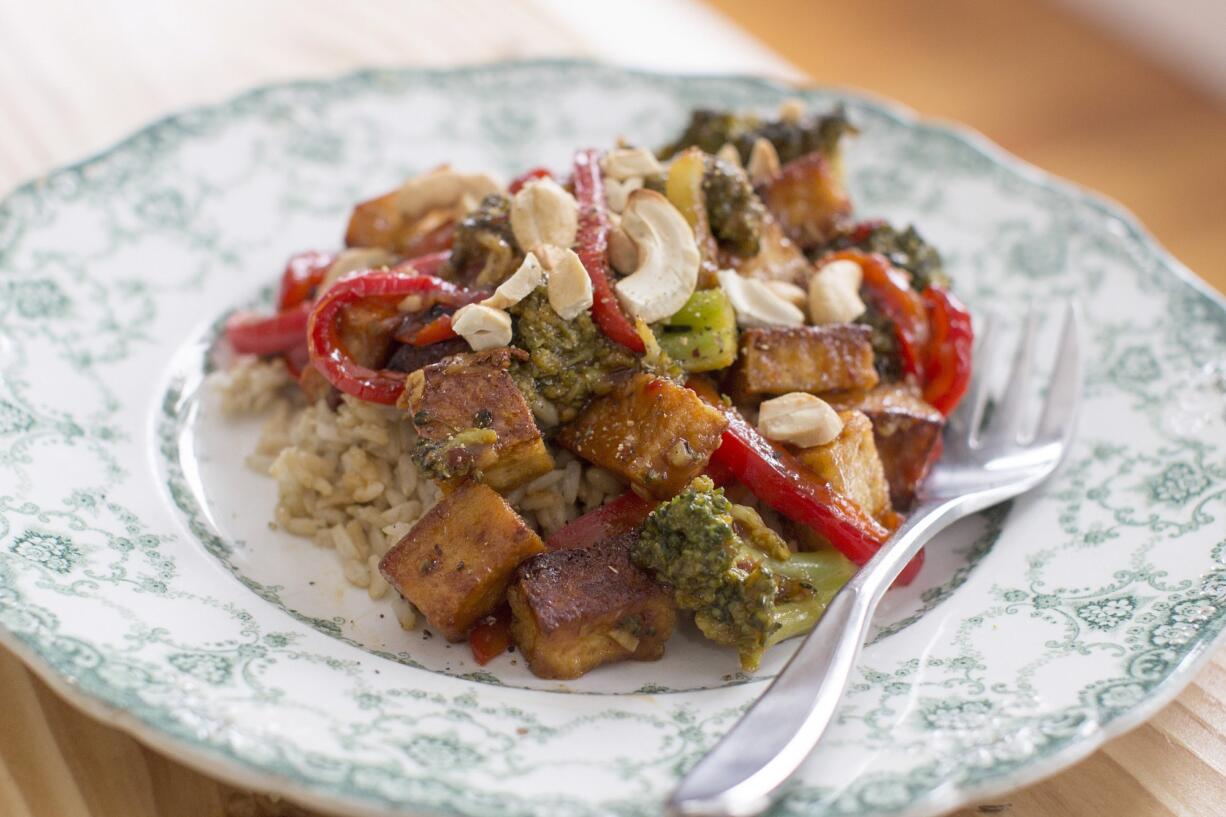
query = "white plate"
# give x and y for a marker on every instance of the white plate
(139, 576)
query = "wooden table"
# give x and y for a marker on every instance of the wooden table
(73, 77)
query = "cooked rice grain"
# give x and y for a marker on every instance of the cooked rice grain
(346, 480)
(251, 385)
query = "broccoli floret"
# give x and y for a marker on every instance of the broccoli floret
(711, 130)
(795, 139)
(887, 358)
(746, 589)
(568, 361)
(906, 249)
(484, 252)
(733, 209)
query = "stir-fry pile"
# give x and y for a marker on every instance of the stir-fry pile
(766, 374)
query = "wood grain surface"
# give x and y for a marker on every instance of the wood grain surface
(75, 76)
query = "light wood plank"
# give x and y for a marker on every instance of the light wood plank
(1041, 83)
(30, 751)
(74, 77)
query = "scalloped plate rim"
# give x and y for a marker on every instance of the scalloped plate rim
(212, 761)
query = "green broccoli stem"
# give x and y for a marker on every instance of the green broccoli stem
(819, 575)
(795, 618)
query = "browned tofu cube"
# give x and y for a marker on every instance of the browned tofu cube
(809, 200)
(475, 391)
(456, 562)
(375, 223)
(650, 431)
(378, 222)
(575, 609)
(778, 259)
(814, 359)
(906, 430)
(850, 464)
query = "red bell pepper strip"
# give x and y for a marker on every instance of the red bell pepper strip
(435, 331)
(864, 229)
(490, 637)
(947, 359)
(251, 334)
(519, 181)
(439, 329)
(593, 241)
(890, 291)
(323, 332)
(303, 273)
(776, 478)
(428, 264)
(609, 520)
(297, 359)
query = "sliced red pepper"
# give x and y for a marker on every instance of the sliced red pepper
(303, 273)
(947, 359)
(535, 173)
(593, 241)
(609, 520)
(491, 636)
(889, 290)
(328, 354)
(252, 334)
(298, 358)
(435, 331)
(776, 478)
(428, 264)
(865, 229)
(720, 474)
(433, 325)
(437, 240)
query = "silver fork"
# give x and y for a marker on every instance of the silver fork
(983, 464)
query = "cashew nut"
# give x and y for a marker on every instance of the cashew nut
(626, 163)
(800, 419)
(482, 326)
(441, 188)
(789, 292)
(668, 259)
(730, 154)
(570, 287)
(528, 277)
(617, 192)
(623, 255)
(543, 213)
(756, 304)
(763, 162)
(792, 110)
(834, 293)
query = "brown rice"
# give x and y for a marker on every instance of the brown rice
(345, 478)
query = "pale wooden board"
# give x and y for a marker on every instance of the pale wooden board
(75, 76)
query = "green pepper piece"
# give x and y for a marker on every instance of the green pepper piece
(701, 336)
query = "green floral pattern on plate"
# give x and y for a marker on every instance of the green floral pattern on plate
(1083, 608)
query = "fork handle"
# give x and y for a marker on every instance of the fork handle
(739, 777)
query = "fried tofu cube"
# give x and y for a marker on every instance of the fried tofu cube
(906, 430)
(650, 431)
(379, 222)
(475, 391)
(850, 464)
(456, 562)
(375, 223)
(575, 609)
(814, 359)
(809, 199)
